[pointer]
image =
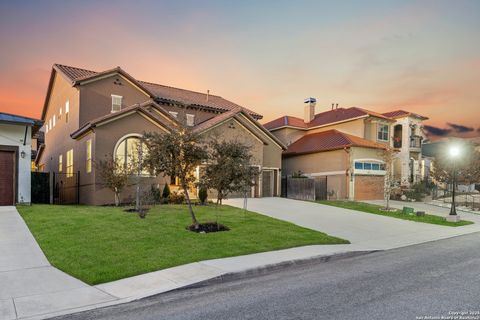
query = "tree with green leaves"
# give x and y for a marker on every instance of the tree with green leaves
(176, 153)
(229, 168)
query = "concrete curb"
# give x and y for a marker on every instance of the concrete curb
(227, 277)
(232, 276)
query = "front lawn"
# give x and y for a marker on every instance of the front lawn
(371, 208)
(102, 244)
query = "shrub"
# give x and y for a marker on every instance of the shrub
(203, 195)
(155, 193)
(176, 198)
(166, 191)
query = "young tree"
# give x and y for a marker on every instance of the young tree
(113, 175)
(388, 156)
(175, 154)
(229, 168)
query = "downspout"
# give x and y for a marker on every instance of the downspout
(348, 171)
(25, 137)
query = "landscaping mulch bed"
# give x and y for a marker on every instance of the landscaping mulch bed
(208, 227)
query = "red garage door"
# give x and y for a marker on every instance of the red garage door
(7, 181)
(369, 187)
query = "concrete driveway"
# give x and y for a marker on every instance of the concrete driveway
(29, 285)
(364, 230)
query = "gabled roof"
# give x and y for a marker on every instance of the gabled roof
(328, 141)
(234, 113)
(324, 118)
(145, 108)
(16, 119)
(77, 76)
(402, 113)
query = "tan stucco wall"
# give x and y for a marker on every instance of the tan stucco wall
(315, 162)
(96, 97)
(355, 127)
(288, 135)
(106, 138)
(57, 140)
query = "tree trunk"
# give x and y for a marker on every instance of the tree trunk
(117, 197)
(190, 209)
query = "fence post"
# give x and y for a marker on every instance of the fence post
(78, 187)
(52, 188)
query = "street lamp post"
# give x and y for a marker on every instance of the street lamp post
(454, 153)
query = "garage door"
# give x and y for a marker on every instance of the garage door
(7, 174)
(369, 187)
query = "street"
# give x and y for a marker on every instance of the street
(430, 280)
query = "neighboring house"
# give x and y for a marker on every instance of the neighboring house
(344, 144)
(15, 157)
(409, 166)
(93, 115)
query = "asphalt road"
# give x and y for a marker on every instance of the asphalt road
(432, 280)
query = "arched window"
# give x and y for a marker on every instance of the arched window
(128, 151)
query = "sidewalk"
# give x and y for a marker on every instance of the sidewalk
(30, 288)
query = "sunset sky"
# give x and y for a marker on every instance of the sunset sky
(423, 56)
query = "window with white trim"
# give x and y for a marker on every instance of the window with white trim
(69, 167)
(116, 103)
(60, 114)
(54, 119)
(50, 124)
(88, 164)
(366, 165)
(67, 110)
(190, 120)
(60, 163)
(382, 133)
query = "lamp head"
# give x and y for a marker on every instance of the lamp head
(454, 151)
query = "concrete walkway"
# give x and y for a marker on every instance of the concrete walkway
(30, 288)
(29, 285)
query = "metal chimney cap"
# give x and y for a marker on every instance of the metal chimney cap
(310, 100)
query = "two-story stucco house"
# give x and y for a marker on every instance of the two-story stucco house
(92, 115)
(344, 144)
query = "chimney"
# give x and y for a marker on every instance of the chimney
(208, 94)
(309, 109)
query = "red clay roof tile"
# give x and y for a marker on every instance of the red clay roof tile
(328, 141)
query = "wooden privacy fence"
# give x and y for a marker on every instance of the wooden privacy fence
(309, 189)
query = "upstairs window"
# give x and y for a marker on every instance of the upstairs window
(116, 103)
(67, 110)
(54, 120)
(88, 164)
(190, 120)
(60, 114)
(60, 163)
(382, 132)
(50, 124)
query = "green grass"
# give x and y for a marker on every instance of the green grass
(102, 244)
(375, 209)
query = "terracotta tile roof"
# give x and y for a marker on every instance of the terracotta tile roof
(159, 91)
(323, 118)
(402, 113)
(75, 73)
(328, 141)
